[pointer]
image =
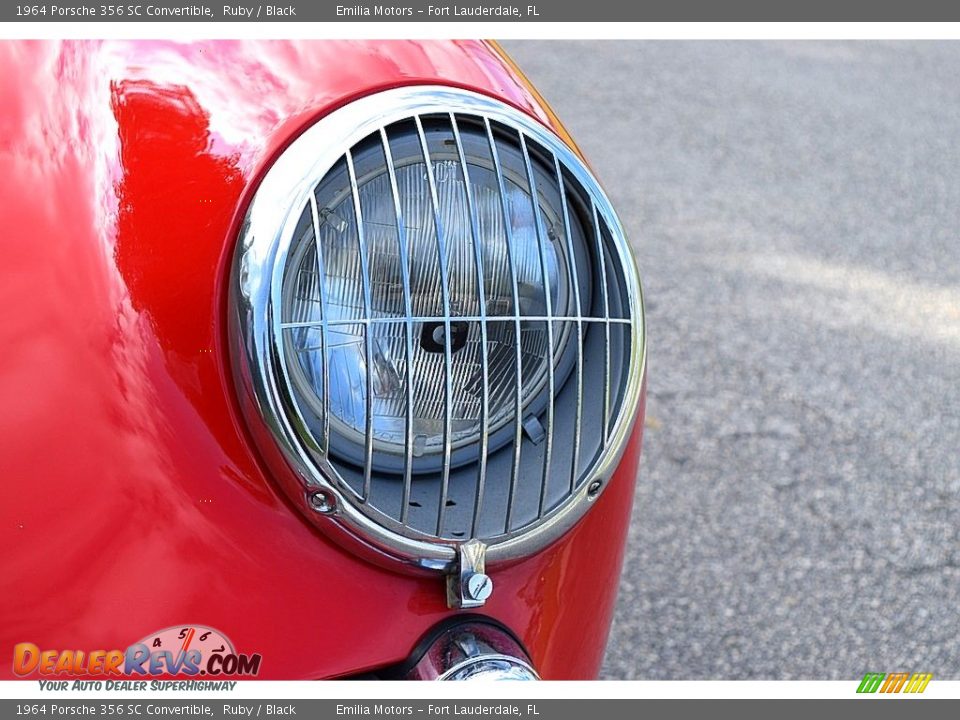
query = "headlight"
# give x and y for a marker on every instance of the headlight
(438, 321)
(373, 278)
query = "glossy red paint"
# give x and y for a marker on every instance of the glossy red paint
(131, 497)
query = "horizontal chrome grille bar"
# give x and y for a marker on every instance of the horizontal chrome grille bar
(461, 318)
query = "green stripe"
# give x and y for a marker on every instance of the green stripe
(871, 682)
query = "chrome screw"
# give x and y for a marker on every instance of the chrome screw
(322, 502)
(594, 488)
(479, 586)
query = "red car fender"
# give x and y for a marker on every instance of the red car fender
(132, 498)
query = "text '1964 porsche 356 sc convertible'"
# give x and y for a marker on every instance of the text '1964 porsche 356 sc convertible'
(321, 359)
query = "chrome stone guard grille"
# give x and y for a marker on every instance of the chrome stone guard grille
(570, 421)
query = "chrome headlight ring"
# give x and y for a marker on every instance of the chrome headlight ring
(592, 316)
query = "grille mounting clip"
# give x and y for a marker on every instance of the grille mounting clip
(469, 586)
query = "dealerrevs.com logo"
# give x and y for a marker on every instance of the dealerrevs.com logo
(184, 650)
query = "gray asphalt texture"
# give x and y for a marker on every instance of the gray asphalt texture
(795, 208)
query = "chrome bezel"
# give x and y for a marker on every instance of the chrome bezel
(256, 296)
(483, 668)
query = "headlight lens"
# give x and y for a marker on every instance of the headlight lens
(372, 374)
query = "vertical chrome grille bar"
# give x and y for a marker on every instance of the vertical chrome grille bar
(324, 339)
(482, 302)
(601, 258)
(445, 292)
(508, 230)
(368, 313)
(548, 302)
(574, 276)
(408, 324)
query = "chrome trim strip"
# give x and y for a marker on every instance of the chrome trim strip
(445, 293)
(548, 302)
(482, 319)
(367, 305)
(256, 337)
(518, 366)
(408, 323)
(324, 335)
(574, 283)
(606, 317)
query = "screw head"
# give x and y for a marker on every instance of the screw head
(594, 488)
(479, 586)
(323, 502)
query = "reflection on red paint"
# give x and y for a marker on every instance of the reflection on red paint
(174, 193)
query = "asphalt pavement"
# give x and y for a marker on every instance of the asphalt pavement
(795, 208)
